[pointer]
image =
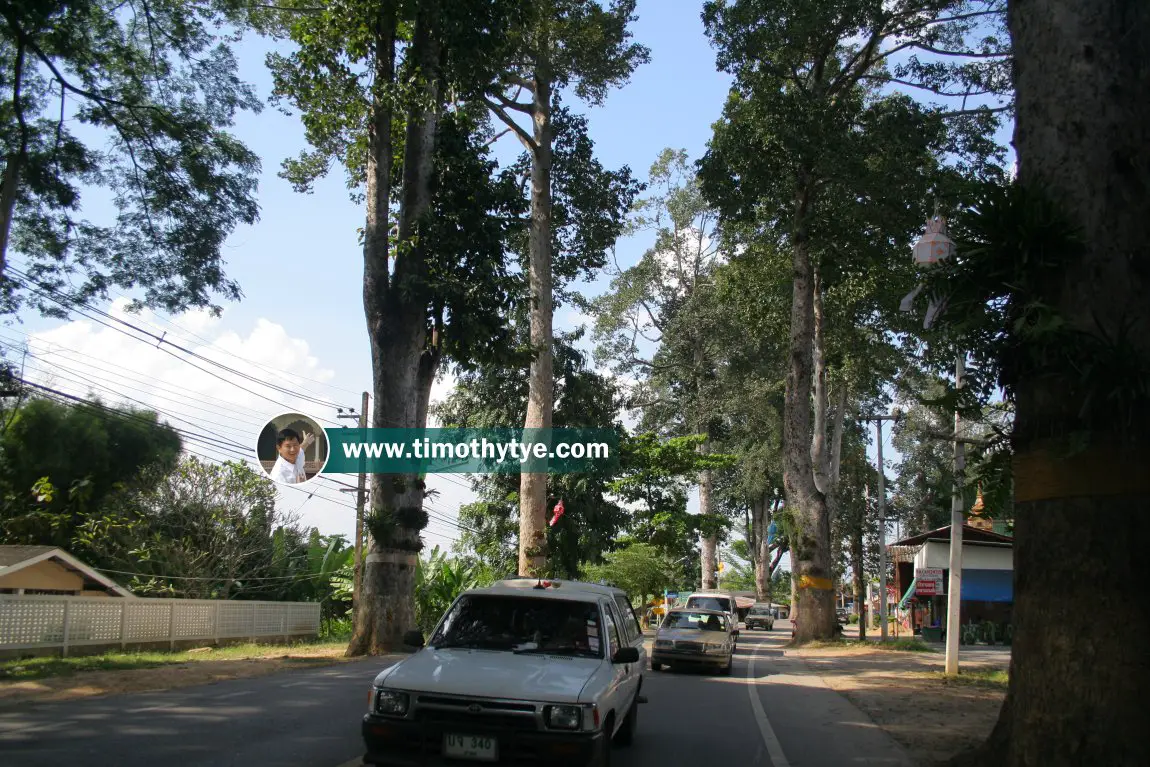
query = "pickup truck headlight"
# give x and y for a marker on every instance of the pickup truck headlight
(391, 702)
(563, 717)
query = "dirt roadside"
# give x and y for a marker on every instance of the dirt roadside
(88, 684)
(904, 693)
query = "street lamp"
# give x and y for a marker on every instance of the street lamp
(934, 247)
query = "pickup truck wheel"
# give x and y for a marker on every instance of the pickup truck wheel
(602, 757)
(626, 734)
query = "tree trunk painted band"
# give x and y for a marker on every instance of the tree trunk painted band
(1043, 473)
(818, 584)
(393, 557)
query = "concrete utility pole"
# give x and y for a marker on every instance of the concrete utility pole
(360, 502)
(882, 596)
(957, 504)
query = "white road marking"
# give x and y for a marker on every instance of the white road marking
(770, 740)
(356, 762)
(293, 684)
(236, 694)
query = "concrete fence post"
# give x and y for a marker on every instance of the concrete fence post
(171, 626)
(123, 625)
(216, 623)
(67, 626)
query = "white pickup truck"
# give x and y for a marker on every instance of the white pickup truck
(526, 671)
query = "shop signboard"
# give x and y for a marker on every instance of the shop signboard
(929, 581)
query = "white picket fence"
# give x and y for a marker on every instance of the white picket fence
(45, 622)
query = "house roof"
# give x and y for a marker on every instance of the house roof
(969, 535)
(14, 555)
(15, 558)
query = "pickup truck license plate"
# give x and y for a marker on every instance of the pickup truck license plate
(481, 749)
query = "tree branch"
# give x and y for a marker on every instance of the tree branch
(526, 109)
(527, 140)
(976, 111)
(497, 136)
(948, 19)
(921, 86)
(963, 54)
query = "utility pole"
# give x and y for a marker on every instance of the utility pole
(954, 588)
(360, 502)
(882, 596)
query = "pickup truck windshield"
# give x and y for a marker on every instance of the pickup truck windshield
(522, 625)
(710, 603)
(759, 611)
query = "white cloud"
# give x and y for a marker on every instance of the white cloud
(209, 403)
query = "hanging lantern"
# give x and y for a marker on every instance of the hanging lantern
(934, 246)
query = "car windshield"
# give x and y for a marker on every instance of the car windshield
(522, 625)
(696, 620)
(760, 611)
(710, 603)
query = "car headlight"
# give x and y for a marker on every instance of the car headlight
(563, 717)
(664, 643)
(390, 702)
(716, 647)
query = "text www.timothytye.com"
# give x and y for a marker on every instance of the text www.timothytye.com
(482, 449)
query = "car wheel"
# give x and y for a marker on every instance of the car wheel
(730, 665)
(656, 666)
(626, 734)
(602, 756)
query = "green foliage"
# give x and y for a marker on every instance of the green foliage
(60, 463)
(207, 531)
(1011, 240)
(438, 581)
(156, 89)
(640, 569)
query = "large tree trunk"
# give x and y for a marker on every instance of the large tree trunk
(710, 547)
(1082, 131)
(811, 544)
(1077, 684)
(541, 382)
(859, 580)
(396, 310)
(15, 161)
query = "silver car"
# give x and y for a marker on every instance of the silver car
(700, 638)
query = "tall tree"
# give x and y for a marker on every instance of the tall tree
(1059, 263)
(373, 86)
(160, 89)
(47, 492)
(557, 44)
(654, 321)
(813, 158)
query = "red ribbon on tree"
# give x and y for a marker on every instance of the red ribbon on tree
(559, 511)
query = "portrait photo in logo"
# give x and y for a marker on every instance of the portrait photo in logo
(292, 448)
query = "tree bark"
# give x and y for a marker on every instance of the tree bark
(1082, 132)
(810, 548)
(541, 382)
(15, 161)
(710, 547)
(859, 582)
(396, 308)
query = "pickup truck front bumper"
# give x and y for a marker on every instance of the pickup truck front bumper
(407, 743)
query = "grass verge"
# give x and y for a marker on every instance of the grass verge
(978, 676)
(42, 668)
(894, 645)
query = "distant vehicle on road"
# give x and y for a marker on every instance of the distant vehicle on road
(715, 600)
(760, 616)
(695, 638)
(525, 671)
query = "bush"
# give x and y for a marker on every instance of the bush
(852, 619)
(336, 630)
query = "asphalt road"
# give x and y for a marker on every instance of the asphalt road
(770, 712)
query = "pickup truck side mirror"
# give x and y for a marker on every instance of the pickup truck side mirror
(413, 638)
(626, 655)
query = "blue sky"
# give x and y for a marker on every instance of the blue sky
(300, 268)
